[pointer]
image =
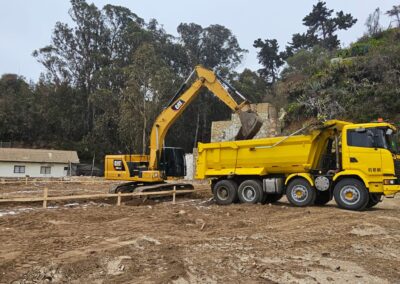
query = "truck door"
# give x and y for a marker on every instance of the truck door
(363, 152)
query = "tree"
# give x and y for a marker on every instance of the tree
(395, 12)
(251, 85)
(142, 99)
(372, 23)
(89, 55)
(214, 46)
(270, 58)
(16, 110)
(321, 28)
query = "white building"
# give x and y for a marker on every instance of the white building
(17, 163)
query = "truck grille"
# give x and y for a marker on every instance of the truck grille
(397, 168)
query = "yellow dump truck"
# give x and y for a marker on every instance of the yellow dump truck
(356, 164)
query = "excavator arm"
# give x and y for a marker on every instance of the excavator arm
(205, 78)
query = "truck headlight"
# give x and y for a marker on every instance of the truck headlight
(389, 181)
(155, 175)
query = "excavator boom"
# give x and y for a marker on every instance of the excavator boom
(214, 83)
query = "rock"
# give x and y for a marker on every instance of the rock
(199, 221)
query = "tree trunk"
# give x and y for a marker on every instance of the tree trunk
(144, 127)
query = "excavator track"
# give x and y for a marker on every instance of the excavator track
(138, 187)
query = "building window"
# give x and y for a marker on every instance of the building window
(45, 170)
(19, 169)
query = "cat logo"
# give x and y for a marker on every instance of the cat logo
(177, 106)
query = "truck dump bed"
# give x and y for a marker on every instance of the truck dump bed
(277, 155)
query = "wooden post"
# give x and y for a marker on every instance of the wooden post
(119, 198)
(45, 194)
(26, 180)
(173, 195)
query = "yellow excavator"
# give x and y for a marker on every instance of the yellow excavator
(150, 172)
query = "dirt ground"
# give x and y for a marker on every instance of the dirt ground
(193, 241)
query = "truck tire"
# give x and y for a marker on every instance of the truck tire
(374, 199)
(225, 192)
(322, 197)
(300, 193)
(250, 191)
(351, 194)
(271, 197)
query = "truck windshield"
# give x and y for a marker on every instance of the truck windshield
(392, 139)
(387, 138)
(384, 138)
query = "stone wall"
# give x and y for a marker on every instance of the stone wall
(227, 130)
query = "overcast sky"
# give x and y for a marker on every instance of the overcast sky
(27, 25)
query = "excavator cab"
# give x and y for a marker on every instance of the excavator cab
(172, 162)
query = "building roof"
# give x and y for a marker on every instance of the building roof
(38, 156)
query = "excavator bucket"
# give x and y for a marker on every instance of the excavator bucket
(251, 124)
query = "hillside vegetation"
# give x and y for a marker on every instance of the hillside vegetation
(109, 74)
(359, 83)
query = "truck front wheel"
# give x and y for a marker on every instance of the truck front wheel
(250, 191)
(300, 193)
(351, 194)
(225, 192)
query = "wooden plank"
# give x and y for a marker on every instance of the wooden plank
(95, 196)
(56, 181)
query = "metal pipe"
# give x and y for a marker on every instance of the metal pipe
(337, 150)
(231, 87)
(279, 142)
(181, 89)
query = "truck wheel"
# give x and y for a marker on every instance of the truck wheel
(225, 192)
(271, 197)
(322, 197)
(300, 193)
(351, 194)
(250, 191)
(374, 199)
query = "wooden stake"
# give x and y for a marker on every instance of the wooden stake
(45, 193)
(119, 199)
(173, 195)
(26, 180)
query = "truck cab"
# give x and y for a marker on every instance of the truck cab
(369, 152)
